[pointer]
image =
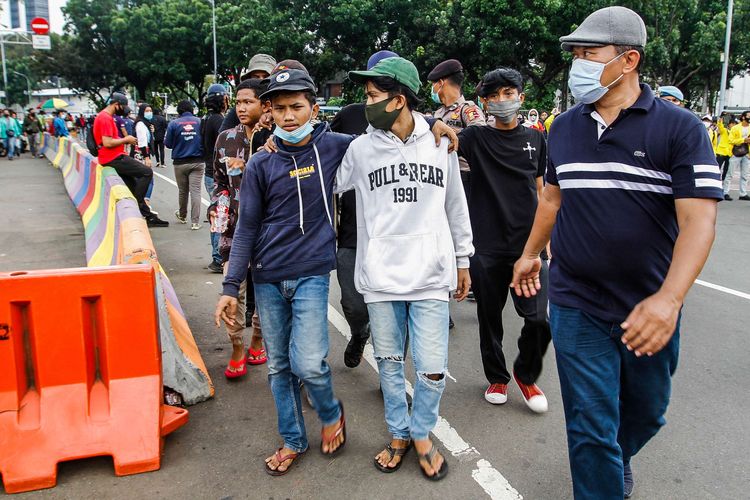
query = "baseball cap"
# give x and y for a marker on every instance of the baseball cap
(672, 91)
(290, 80)
(119, 98)
(289, 64)
(608, 26)
(398, 68)
(259, 62)
(379, 56)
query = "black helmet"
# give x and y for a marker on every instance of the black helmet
(119, 98)
(216, 89)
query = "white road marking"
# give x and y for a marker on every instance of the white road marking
(489, 478)
(723, 289)
(160, 176)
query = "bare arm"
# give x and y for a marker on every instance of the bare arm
(652, 322)
(526, 270)
(110, 142)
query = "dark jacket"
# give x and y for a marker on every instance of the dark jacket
(31, 124)
(184, 139)
(350, 120)
(231, 120)
(210, 126)
(160, 127)
(283, 228)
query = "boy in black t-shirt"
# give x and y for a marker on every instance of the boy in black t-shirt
(507, 163)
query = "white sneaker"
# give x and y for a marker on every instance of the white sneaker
(181, 220)
(496, 394)
(196, 226)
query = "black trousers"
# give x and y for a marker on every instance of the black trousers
(159, 152)
(490, 281)
(136, 177)
(352, 302)
(723, 162)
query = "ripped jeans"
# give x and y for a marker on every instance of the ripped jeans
(428, 333)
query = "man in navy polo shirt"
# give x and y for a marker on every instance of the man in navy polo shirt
(630, 205)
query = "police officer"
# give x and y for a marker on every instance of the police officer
(447, 79)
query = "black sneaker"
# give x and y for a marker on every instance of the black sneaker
(745, 198)
(628, 481)
(451, 324)
(354, 350)
(215, 267)
(727, 197)
(154, 221)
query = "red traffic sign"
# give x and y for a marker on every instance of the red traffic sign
(40, 26)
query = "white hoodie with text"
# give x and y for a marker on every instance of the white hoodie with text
(413, 228)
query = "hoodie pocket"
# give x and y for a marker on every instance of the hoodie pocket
(403, 263)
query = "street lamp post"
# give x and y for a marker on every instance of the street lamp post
(725, 67)
(28, 86)
(213, 22)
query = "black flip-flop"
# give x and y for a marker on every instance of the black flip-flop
(427, 457)
(393, 452)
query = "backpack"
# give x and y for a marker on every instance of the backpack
(90, 141)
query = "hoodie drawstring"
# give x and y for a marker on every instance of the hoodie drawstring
(322, 190)
(299, 197)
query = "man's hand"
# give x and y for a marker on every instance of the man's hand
(269, 146)
(440, 130)
(526, 280)
(129, 139)
(464, 285)
(651, 324)
(266, 121)
(147, 162)
(226, 310)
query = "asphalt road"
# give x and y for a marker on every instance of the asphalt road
(701, 453)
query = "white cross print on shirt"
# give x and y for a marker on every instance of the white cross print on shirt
(529, 149)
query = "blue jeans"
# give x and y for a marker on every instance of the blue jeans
(10, 146)
(614, 401)
(294, 315)
(427, 322)
(215, 255)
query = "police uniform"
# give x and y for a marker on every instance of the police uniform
(459, 115)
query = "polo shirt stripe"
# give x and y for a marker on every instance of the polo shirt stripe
(613, 167)
(714, 183)
(706, 169)
(613, 184)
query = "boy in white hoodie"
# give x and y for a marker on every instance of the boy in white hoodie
(413, 246)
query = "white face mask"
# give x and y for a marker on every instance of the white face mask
(584, 80)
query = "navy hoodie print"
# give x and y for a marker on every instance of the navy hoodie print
(285, 227)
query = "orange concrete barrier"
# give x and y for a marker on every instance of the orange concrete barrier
(80, 372)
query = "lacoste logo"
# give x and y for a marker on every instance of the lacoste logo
(639, 154)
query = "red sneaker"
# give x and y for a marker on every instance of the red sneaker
(533, 395)
(496, 394)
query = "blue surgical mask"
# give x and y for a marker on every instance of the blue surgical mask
(148, 116)
(584, 80)
(296, 135)
(436, 97)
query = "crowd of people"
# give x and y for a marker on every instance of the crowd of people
(477, 201)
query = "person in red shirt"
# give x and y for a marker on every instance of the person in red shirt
(111, 148)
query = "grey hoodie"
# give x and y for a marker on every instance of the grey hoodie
(413, 228)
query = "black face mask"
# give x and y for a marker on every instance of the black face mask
(120, 111)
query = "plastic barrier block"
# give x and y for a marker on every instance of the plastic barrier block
(80, 373)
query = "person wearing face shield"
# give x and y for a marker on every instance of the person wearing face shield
(507, 162)
(630, 206)
(111, 153)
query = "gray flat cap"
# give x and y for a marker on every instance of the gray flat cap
(607, 26)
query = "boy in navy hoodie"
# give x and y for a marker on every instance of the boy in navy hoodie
(285, 230)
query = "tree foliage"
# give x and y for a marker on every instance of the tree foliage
(164, 44)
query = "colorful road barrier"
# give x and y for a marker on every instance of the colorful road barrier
(117, 234)
(80, 373)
